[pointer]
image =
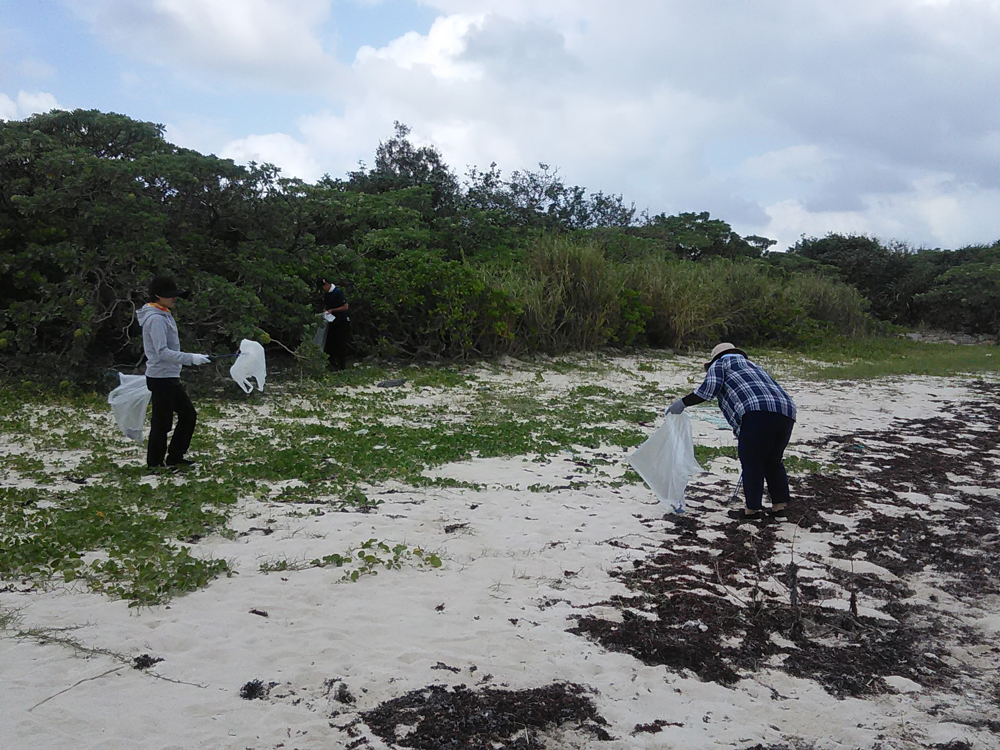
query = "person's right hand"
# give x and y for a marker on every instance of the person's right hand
(200, 359)
(677, 407)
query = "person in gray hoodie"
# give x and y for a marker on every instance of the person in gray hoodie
(164, 360)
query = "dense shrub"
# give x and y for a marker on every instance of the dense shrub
(935, 288)
(966, 298)
(571, 297)
(93, 205)
(421, 305)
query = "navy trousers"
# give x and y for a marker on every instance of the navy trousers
(763, 438)
(338, 341)
(168, 397)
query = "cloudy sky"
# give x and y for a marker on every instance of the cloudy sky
(783, 117)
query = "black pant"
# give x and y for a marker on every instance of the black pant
(169, 398)
(763, 438)
(338, 341)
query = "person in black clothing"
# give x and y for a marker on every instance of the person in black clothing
(338, 327)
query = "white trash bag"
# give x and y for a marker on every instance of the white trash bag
(128, 402)
(250, 364)
(320, 336)
(666, 461)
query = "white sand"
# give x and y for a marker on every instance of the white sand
(498, 606)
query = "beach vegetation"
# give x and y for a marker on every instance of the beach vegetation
(435, 267)
(364, 560)
(864, 358)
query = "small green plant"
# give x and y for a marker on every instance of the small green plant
(364, 560)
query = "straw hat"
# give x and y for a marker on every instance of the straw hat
(723, 348)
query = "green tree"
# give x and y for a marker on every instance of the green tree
(965, 298)
(691, 236)
(92, 205)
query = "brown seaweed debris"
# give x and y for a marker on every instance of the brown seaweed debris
(438, 717)
(255, 689)
(145, 661)
(700, 605)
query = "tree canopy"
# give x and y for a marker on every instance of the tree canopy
(93, 204)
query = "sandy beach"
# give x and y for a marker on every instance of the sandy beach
(869, 619)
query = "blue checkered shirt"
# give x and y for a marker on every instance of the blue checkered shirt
(742, 386)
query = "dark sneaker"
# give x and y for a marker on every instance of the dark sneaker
(161, 469)
(781, 512)
(181, 463)
(741, 514)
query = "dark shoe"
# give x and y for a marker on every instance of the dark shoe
(161, 469)
(742, 515)
(781, 512)
(181, 463)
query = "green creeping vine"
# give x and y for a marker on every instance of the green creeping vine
(122, 528)
(77, 506)
(365, 560)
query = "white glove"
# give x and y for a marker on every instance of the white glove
(200, 359)
(329, 317)
(676, 408)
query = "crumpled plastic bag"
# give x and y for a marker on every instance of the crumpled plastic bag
(666, 461)
(250, 364)
(128, 402)
(320, 337)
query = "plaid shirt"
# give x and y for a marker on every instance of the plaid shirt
(742, 386)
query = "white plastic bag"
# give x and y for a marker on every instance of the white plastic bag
(128, 402)
(666, 461)
(250, 364)
(320, 338)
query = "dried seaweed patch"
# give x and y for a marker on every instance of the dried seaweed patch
(439, 717)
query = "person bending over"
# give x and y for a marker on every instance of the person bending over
(762, 416)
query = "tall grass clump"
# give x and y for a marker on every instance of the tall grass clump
(840, 306)
(697, 303)
(683, 301)
(570, 297)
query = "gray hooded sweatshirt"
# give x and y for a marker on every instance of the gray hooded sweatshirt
(164, 357)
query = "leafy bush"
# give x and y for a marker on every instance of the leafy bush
(93, 205)
(966, 298)
(422, 305)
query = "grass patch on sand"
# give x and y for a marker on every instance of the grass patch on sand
(78, 507)
(364, 560)
(867, 358)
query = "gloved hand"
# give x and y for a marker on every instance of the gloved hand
(200, 359)
(676, 408)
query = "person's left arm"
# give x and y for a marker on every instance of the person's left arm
(708, 390)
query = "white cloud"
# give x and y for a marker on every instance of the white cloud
(294, 158)
(801, 163)
(8, 108)
(270, 42)
(933, 212)
(439, 50)
(26, 104)
(845, 115)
